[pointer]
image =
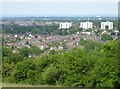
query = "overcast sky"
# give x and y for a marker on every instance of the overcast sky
(59, 9)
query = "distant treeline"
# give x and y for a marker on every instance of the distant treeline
(53, 29)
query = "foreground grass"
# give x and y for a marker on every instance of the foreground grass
(25, 85)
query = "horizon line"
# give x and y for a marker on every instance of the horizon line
(112, 15)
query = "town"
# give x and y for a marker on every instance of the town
(60, 44)
(67, 37)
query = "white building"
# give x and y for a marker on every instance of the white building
(65, 25)
(107, 23)
(86, 25)
(87, 33)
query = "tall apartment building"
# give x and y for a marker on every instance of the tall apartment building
(65, 25)
(107, 23)
(86, 25)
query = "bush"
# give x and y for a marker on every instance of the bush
(73, 68)
(91, 45)
(105, 37)
(50, 75)
(82, 42)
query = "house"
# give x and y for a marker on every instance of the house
(105, 32)
(60, 47)
(86, 33)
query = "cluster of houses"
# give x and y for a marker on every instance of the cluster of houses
(86, 25)
(43, 42)
(65, 42)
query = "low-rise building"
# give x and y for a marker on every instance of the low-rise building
(86, 33)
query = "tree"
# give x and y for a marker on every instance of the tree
(106, 37)
(35, 51)
(72, 68)
(52, 52)
(14, 58)
(106, 27)
(90, 45)
(50, 76)
(21, 70)
(6, 52)
(82, 42)
(25, 51)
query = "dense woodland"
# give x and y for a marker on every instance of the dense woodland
(94, 66)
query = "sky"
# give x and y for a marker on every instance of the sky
(59, 9)
(59, 0)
